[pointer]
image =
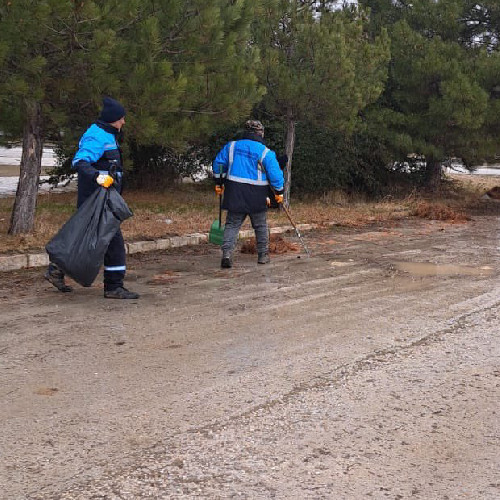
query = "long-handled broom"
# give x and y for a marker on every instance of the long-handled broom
(216, 234)
(297, 232)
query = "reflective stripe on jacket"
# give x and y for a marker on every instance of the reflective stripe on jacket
(248, 168)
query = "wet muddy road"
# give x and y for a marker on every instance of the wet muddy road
(371, 369)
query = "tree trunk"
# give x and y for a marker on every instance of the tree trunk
(433, 174)
(23, 213)
(289, 146)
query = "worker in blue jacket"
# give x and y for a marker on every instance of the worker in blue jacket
(244, 170)
(99, 155)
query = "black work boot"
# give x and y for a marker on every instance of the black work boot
(120, 293)
(56, 277)
(226, 262)
(263, 258)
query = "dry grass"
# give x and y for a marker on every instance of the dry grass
(439, 211)
(471, 187)
(156, 215)
(192, 208)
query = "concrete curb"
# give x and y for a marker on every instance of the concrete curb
(22, 261)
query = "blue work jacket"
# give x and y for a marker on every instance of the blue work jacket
(98, 153)
(248, 168)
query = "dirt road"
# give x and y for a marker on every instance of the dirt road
(371, 369)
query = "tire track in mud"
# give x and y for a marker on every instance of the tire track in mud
(343, 373)
(314, 327)
(153, 466)
(336, 377)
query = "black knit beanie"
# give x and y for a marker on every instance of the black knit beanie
(112, 110)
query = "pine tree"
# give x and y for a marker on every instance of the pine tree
(181, 68)
(50, 51)
(186, 69)
(439, 101)
(318, 65)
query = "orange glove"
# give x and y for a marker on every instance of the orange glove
(219, 190)
(104, 180)
(278, 198)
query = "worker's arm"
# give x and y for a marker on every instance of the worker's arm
(274, 172)
(219, 168)
(89, 151)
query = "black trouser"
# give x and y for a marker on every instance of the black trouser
(114, 263)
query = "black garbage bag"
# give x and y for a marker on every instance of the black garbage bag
(79, 247)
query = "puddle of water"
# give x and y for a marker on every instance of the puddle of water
(428, 269)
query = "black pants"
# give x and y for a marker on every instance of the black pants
(114, 263)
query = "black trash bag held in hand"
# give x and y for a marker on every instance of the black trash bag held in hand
(78, 248)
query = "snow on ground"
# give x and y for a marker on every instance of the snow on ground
(12, 156)
(484, 170)
(8, 186)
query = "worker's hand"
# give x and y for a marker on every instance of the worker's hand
(219, 190)
(268, 201)
(278, 198)
(104, 180)
(282, 161)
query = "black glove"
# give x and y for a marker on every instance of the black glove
(282, 161)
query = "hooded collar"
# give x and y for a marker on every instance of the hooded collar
(253, 137)
(109, 128)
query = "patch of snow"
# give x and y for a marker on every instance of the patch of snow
(12, 156)
(8, 186)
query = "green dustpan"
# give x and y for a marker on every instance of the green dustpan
(216, 234)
